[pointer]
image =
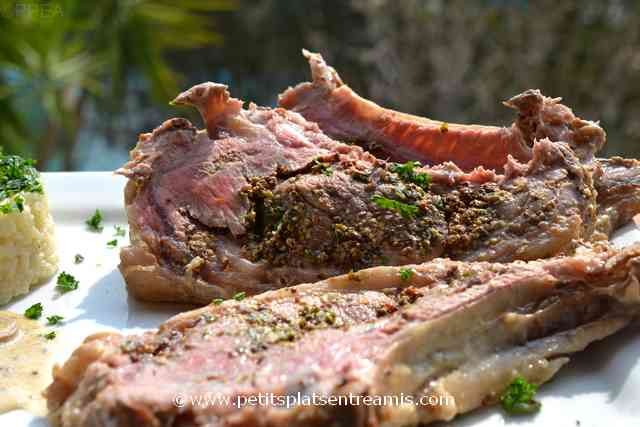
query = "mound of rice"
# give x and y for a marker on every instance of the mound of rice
(27, 245)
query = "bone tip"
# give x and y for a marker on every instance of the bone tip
(312, 56)
(200, 91)
(528, 98)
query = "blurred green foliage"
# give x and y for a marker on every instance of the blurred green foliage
(58, 56)
(85, 71)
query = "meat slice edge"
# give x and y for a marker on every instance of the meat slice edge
(618, 187)
(455, 331)
(263, 199)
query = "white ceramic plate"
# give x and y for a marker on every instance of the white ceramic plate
(600, 386)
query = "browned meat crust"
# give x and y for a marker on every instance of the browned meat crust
(264, 199)
(451, 330)
(342, 114)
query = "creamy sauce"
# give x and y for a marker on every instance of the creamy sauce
(25, 363)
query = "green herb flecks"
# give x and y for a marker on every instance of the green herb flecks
(78, 259)
(34, 312)
(406, 210)
(17, 176)
(66, 283)
(50, 335)
(217, 301)
(95, 222)
(54, 320)
(112, 243)
(119, 231)
(322, 167)
(407, 172)
(406, 273)
(518, 398)
(468, 273)
(314, 317)
(12, 204)
(240, 296)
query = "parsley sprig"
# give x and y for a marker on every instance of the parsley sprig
(408, 173)
(518, 398)
(404, 209)
(54, 320)
(95, 222)
(34, 312)
(406, 273)
(12, 204)
(119, 231)
(66, 283)
(17, 176)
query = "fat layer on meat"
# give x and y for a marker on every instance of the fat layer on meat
(457, 332)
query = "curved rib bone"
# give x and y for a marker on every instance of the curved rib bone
(342, 114)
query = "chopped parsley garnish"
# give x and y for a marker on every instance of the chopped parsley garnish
(78, 259)
(11, 205)
(119, 231)
(95, 222)
(19, 202)
(324, 168)
(518, 397)
(54, 320)
(34, 312)
(8, 207)
(240, 296)
(407, 172)
(66, 283)
(406, 273)
(217, 301)
(403, 209)
(17, 176)
(112, 243)
(50, 335)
